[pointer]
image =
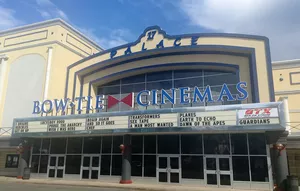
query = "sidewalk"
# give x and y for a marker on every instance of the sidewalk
(81, 183)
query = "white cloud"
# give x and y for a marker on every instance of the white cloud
(116, 38)
(49, 10)
(276, 19)
(8, 19)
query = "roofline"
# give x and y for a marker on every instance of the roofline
(285, 64)
(50, 22)
(286, 61)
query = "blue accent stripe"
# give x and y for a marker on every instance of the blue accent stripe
(244, 51)
(235, 67)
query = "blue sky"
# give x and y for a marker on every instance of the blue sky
(113, 22)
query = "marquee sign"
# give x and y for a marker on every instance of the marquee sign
(244, 117)
(186, 95)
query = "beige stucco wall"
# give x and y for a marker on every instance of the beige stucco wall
(259, 46)
(285, 88)
(68, 46)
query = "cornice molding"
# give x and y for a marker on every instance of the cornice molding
(285, 64)
(48, 23)
(287, 92)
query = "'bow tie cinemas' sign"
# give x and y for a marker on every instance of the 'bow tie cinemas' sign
(186, 95)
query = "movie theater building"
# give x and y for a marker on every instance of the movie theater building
(192, 109)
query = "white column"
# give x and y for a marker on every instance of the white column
(3, 65)
(49, 61)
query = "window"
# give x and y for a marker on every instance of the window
(216, 144)
(150, 166)
(239, 144)
(168, 144)
(73, 164)
(91, 145)
(12, 161)
(259, 169)
(75, 145)
(136, 165)
(192, 167)
(257, 144)
(191, 144)
(58, 146)
(137, 144)
(240, 168)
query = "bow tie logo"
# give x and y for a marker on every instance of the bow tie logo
(128, 100)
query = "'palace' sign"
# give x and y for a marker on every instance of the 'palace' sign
(186, 95)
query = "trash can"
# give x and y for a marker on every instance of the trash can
(292, 183)
(26, 175)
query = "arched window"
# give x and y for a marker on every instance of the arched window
(167, 80)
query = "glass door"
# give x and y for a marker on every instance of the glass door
(90, 166)
(168, 170)
(218, 170)
(56, 166)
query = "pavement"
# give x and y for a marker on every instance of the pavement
(12, 184)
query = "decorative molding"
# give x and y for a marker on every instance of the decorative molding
(49, 23)
(42, 44)
(287, 92)
(28, 35)
(286, 64)
(291, 79)
(294, 110)
(72, 41)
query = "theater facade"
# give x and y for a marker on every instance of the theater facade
(193, 109)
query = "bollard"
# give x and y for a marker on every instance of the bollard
(292, 183)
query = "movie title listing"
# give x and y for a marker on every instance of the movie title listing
(153, 120)
(116, 122)
(202, 119)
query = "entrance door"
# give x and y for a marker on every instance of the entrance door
(168, 170)
(90, 166)
(218, 170)
(56, 167)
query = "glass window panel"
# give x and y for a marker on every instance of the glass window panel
(116, 82)
(36, 146)
(257, 144)
(168, 144)
(240, 166)
(220, 79)
(189, 82)
(44, 164)
(191, 144)
(73, 164)
(35, 163)
(58, 145)
(45, 146)
(137, 144)
(155, 76)
(192, 167)
(110, 90)
(91, 145)
(125, 89)
(159, 85)
(149, 165)
(116, 165)
(117, 141)
(259, 169)
(106, 144)
(239, 143)
(187, 73)
(105, 165)
(133, 79)
(74, 145)
(136, 165)
(216, 144)
(150, 144)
